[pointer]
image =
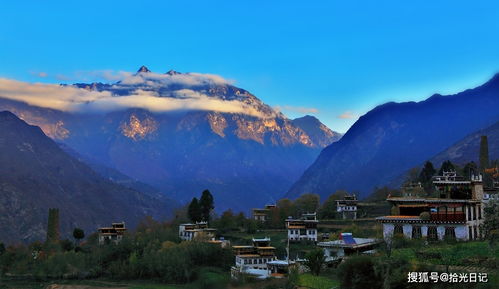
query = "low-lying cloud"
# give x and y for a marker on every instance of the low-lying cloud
(72, 99)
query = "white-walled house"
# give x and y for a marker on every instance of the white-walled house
(304, 228)
(456, 213)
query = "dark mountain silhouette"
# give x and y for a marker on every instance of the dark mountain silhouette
(36, 174)
(394, 137)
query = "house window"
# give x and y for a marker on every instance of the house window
(450, 233)
(479, 212)
(474, 212)
(475, 232)
(470, 233)
(398, 230)
(416, 232)
(432, 233)
(469, 213)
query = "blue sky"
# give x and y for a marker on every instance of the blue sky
(327, 58)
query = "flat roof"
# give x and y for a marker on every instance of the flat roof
(250, 256)
(431, 200)
(360, 242)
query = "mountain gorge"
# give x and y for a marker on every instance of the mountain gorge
(36, 174)
(395, 137)
(183, 133)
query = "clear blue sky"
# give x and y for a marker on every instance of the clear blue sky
(334, 56)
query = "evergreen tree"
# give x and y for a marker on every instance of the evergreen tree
(206, 204)
(53, 226)
(427, 172)
(194, 211)
(447, 166)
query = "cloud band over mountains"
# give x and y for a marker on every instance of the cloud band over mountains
(73, 99)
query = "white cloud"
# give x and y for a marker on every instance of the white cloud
(347, 115)
(73, 99)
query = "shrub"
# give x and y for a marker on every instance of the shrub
(358, 273)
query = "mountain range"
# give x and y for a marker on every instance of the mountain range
(182, 133)
(36, 174)
(395, 137)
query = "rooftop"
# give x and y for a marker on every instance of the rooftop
(359, 243)
(430, 200)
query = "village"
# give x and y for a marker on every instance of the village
(294, 244)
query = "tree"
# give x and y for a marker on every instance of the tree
(286, 209)
(78, 234)
(66, 245)
(307, 203)
(490, 227)
(194, 211)
(328, 209)
(315, 261)
(426, 175)
(392, 271)
(206, 204)
(357, 272)
(446, 166)
(227, 222)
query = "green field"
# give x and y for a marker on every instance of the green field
(317, 282)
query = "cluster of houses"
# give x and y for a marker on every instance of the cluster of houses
(455, 211)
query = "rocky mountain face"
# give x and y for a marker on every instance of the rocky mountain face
(394, 137)
(317, 131)
(36, 174)
(208, 134)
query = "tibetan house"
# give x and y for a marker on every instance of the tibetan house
(113, 234)
(254, 256)
(456, 212)
(347, 207)
(304, 228)
(200, 230)
(262, 215)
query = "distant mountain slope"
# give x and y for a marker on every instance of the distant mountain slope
(220, 137)
(318, 132)
(467, 149)
(394, 137)
(35, 174)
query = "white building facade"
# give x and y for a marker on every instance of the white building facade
(457, 214)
